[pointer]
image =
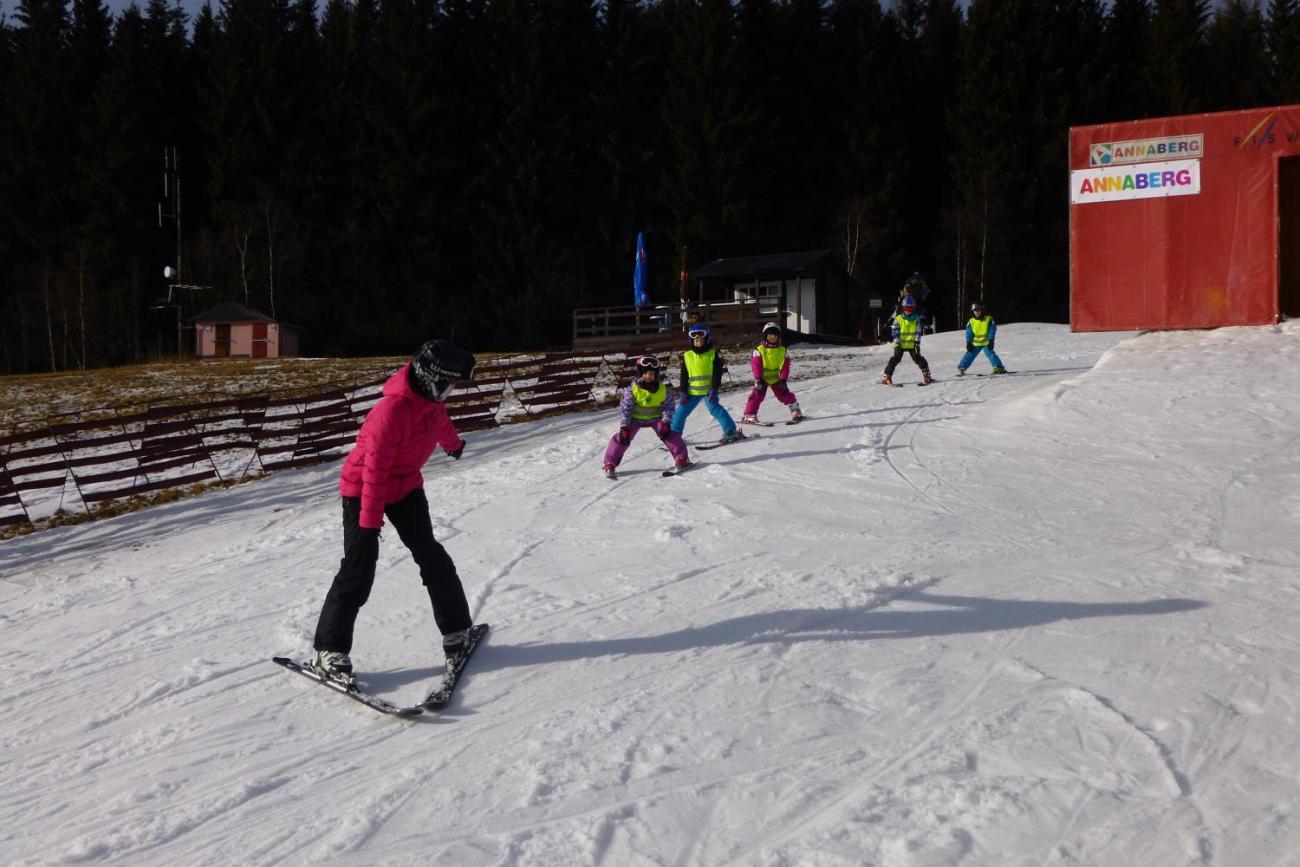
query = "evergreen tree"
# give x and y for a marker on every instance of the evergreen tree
(629, 136)
(9, 246)
(1283, 45)
(38, 157)
(1021, 90)
(531, 200)
(710, 127)
(1122, 90)
(932, 44)
(1235, 42)
(1177, 64)
(868, 53)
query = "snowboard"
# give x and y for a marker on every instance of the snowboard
(441, 695)
(373, 702)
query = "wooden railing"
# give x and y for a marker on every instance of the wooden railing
(620, 327)
(136, 452)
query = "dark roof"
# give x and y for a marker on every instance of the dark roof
(778, 263)
(231, 311)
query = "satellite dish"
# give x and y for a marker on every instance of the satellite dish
(168, 272)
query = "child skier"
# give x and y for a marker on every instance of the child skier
(980, 333)
(770, 366)
(701, 375)
(646, 402)
(381, 477)
(905, 330)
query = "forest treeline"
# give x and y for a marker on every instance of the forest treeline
(378, 171)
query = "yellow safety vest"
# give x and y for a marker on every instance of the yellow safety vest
(773, 360)
(648, 405)
(699, 370)
(979, 330)
(909, 331)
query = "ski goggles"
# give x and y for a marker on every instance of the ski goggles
(698, 332)
(647, 362)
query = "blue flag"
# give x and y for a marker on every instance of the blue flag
(639, 296)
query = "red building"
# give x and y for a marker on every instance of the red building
(1185, 222)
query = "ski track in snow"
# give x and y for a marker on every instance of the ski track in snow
(1044, 619)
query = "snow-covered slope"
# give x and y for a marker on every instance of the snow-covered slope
(1049, 618)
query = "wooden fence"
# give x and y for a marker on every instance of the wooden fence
(135, 451)
(596, 328)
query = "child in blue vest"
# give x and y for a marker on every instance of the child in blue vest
(702, 368)
(981, 331)
(771, 367)
(905, 330)
(646, 402)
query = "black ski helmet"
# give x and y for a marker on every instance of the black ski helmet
(977, 307)
(438, 365)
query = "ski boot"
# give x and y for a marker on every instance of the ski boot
(926, 378)
(999, 370)
(609, 472)
(796, 414)
(732, 437)
(335, 666)
(752, 418)
(886, 380)
(961, 371)
(454, 644)
(680, 466)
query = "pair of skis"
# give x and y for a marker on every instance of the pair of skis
(704, 447)
(786, 423)
(438, 698)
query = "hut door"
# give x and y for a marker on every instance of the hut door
(1288, 236)
(222, 347)
(808, 306)
(259, 340)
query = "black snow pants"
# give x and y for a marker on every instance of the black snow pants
(898, 356)
(351, 588)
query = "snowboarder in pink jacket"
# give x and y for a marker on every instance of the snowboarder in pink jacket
(381, 478)
(771, 367)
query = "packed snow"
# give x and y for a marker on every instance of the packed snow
(1051, 618)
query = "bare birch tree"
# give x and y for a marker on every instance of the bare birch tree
(270, 255)
(49, 318)
(242, 237)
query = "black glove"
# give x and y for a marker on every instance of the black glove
(624, 436)
(990, 344)
(712, 396)
(456, 453)
(758, 383)
(970, 347)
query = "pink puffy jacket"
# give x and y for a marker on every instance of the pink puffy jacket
(396, 440)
